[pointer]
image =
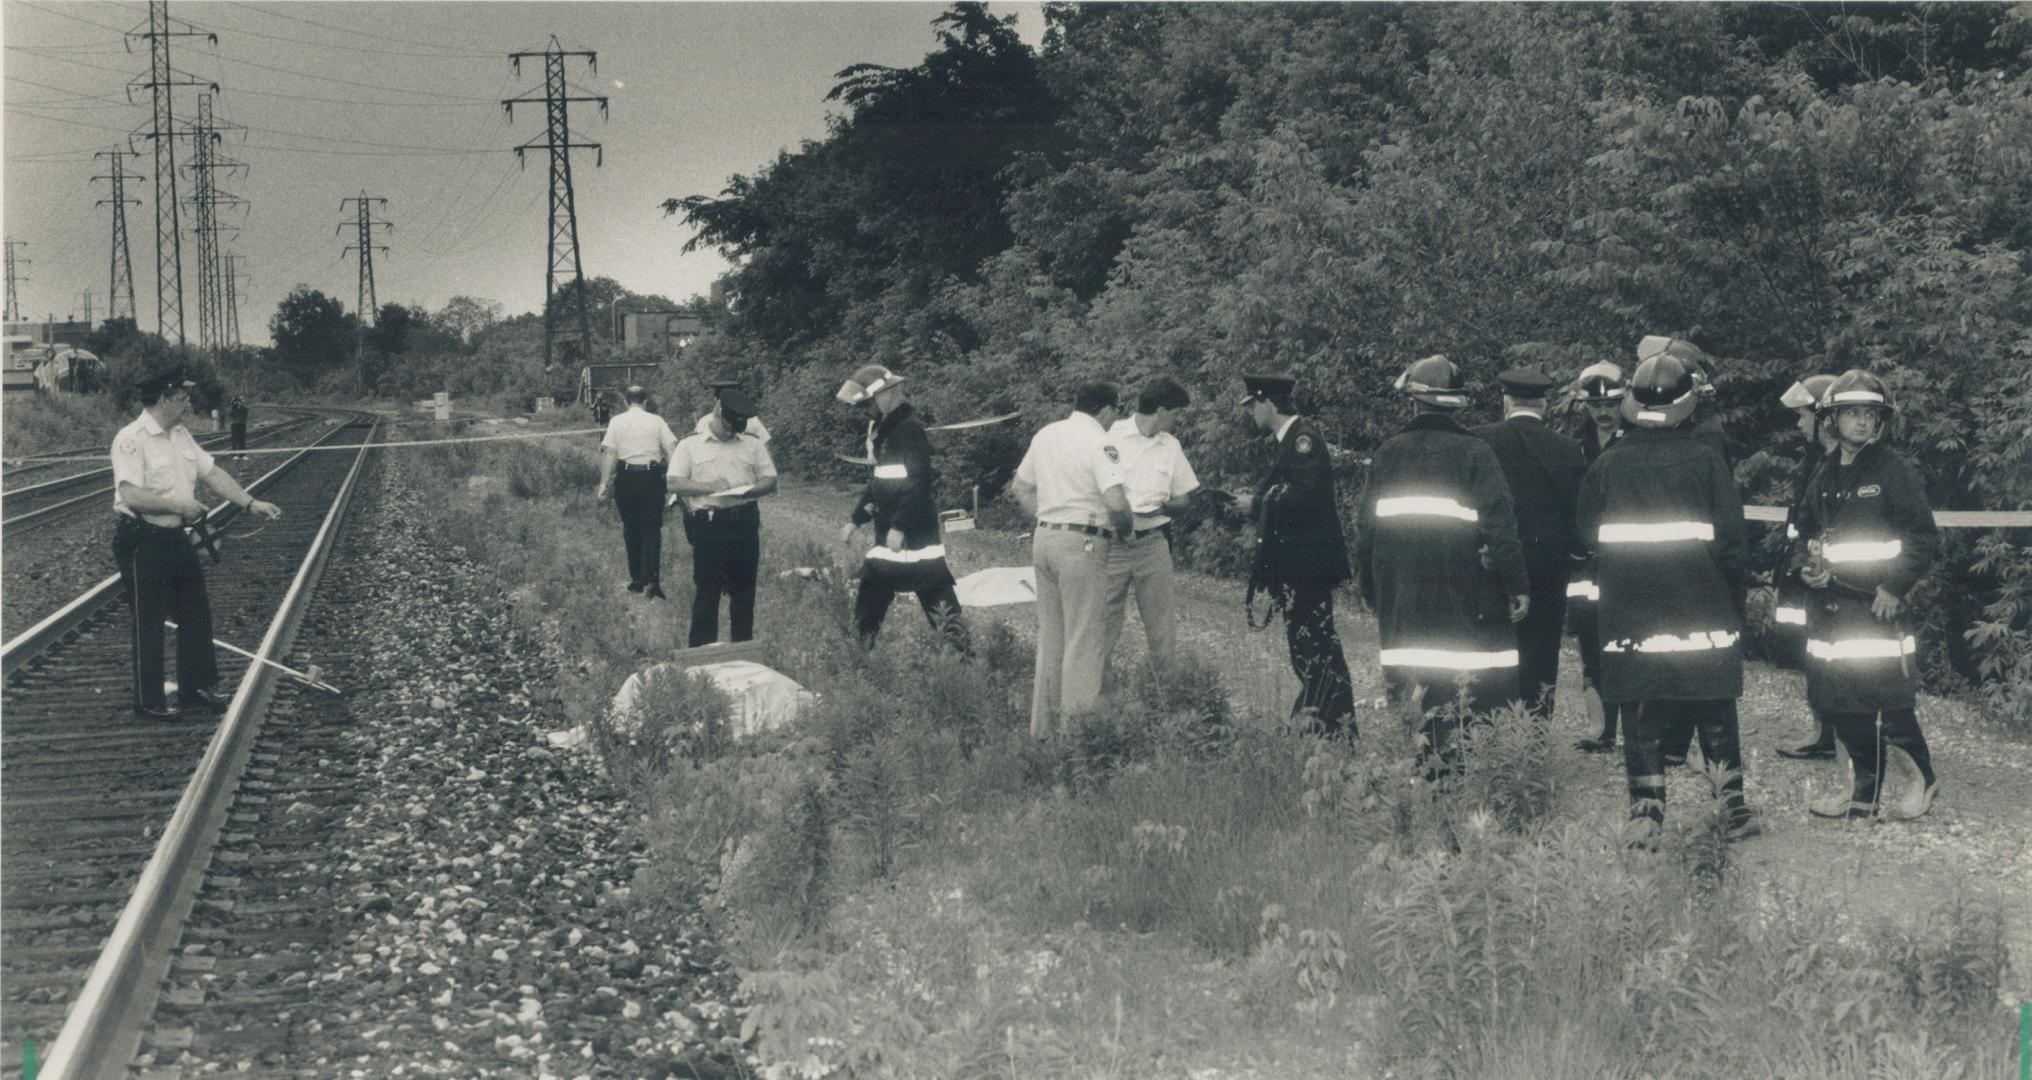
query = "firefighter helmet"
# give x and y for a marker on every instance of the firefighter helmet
(866, 382)
(1662, 392)
(1807, 392)
(1600, 383)
(1689, 353)
(1435, 380)
(1857, 387)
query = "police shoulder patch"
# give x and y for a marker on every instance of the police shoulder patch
(1303, 445)
(1868, 491)
(126, 446)
(1113, 454)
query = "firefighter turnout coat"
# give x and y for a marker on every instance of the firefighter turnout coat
(1788, 611)
(1875, 528)
(1435, 500)
(899, 497)
(1661, 512)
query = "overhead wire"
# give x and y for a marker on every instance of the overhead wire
(349, 30)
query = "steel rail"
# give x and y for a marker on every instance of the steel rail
(102, 1032)
(96, 475)
(32, 641)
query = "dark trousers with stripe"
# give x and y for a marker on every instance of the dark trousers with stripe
(1866, 746)
(1316, 658)
(638, 495)
(726, 550)
(1538, 638)
(1649, 728)
(163, 579)
(941, 608)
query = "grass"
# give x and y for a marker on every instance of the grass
(48, 423)
(911, 886)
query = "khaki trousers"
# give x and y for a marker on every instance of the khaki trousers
(1072, 583)
(1142, 568)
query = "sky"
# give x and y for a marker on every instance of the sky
(401, 101)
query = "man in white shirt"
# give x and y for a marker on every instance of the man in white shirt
(720, 475)
(1160, 483)
(156, 470)
(638, 444)
(1071, 482)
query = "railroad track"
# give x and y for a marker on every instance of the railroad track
(110, 819)
(33, 504)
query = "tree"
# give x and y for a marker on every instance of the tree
(313, 334)
(467, 316)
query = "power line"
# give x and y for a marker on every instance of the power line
(342, 29)
(74, 18)
(443, 55)
(427, 151)
(285, 71)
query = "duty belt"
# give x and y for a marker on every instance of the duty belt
(644, 467)
(200, 532)
(723, 513)
(1090, 530)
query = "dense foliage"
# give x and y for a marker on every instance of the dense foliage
(1333, 190)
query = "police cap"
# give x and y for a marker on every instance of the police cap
(162, 382)
(736, 407)
(721, 386)
(1525, 382)
(1265, 387)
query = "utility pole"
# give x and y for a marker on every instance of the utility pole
(563, 254)
(120, 276)
(365, 223)
(14, 281)
(205, 163)
(162, 78)
(233, 298)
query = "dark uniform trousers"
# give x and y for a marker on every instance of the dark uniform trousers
(726, 549)
(1587, 635)
(163, 579)
(638, 495)
(1317, 658)
(240, 435)
(1538, 638)
(1652, 727)
(941, 609)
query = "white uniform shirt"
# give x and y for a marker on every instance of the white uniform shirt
(1154, 471)
(755, 428)
(1070, 463)
(724, 464)
(639, 437)
(163, 462)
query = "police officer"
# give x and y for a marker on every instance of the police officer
(1301, 555)
(1437, 550)
(1160, 483)
(909, 553)
(236, 415)
(719, 475)
(1543, 469)
(156, 468)
(1788, 614)
(638, 446)
(1600, 390)
(603, 410)
(1671, 561)
(1872, 535)
(1070, 481)
(705, 423)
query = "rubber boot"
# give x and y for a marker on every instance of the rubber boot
(1915, 790)
(1857, 803)
(1820, 749)
(1646, 779)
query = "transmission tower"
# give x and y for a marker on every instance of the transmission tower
(233, 280)
(365, 223)
(14, 281)
(207, 201)
(120, 278)
(162, 78)
(564, 221)
(86, 296)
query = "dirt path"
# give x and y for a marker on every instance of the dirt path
(1977, 840)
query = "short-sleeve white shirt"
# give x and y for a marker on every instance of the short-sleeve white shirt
(158, 461)
(723, 463)
(639, 437)
(1070, 463)
(755, 428)
(1154, 471)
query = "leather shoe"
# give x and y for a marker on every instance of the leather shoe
(156, 712)
(1597, 745)
(635, 586)
(201, 701)
(654, 592)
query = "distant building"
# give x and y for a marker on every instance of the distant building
(610, 379)
(56, 332)
(663, 332)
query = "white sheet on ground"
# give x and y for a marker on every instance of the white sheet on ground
(997, 585)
